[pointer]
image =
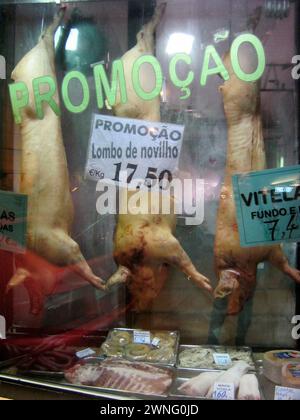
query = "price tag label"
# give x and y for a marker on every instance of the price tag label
(133, 152)
(268, 206)
(85, 353)
(286, 394)
(155, 342)
(222, 359)
(224, 392)
(141, 337)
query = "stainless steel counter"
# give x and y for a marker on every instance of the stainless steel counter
(29, 388)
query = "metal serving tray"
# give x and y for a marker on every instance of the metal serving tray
(96, 360)
(172, 362)
(58, 379)
(215, 349)
(183, 376)
(52, 384)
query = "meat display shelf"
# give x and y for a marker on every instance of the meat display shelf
(64, 388)
(267, 387)
(183, 375)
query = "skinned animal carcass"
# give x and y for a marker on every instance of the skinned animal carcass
(145, 246)
(45, 180)
(236, 267)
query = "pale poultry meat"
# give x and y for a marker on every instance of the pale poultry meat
(200, 385)
(45, 180)
(231, 376)
(145, 247)
(249, 388)
(236, 267)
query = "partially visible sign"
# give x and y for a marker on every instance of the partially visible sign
(155, 342)
(224, 392)
(141, 337)
(286, 394)
(268, 206)
(142, 150)
(2, 328)
(2, 67)
(222, 359)
(288, 356)
(13, 221)
(85, 353)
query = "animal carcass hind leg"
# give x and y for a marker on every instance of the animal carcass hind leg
(69, 250)
(17, 279)
(34, 287)
(122, 275)
(229, 282)
(279, 260)
(239, 287)
(175, 255)
(59, 247)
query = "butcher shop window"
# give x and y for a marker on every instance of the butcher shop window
(105, 104)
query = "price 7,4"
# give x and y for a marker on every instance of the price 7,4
(291, 227)
(151, 177)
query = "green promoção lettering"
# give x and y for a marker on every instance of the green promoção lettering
(114, 90)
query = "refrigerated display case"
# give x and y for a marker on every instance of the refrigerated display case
(108, 106)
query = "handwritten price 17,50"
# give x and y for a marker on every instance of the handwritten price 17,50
(151, 176)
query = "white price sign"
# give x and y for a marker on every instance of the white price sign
(222, 359)
(125, 150)
(141, 337)
(224, 392)
(286, 394)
